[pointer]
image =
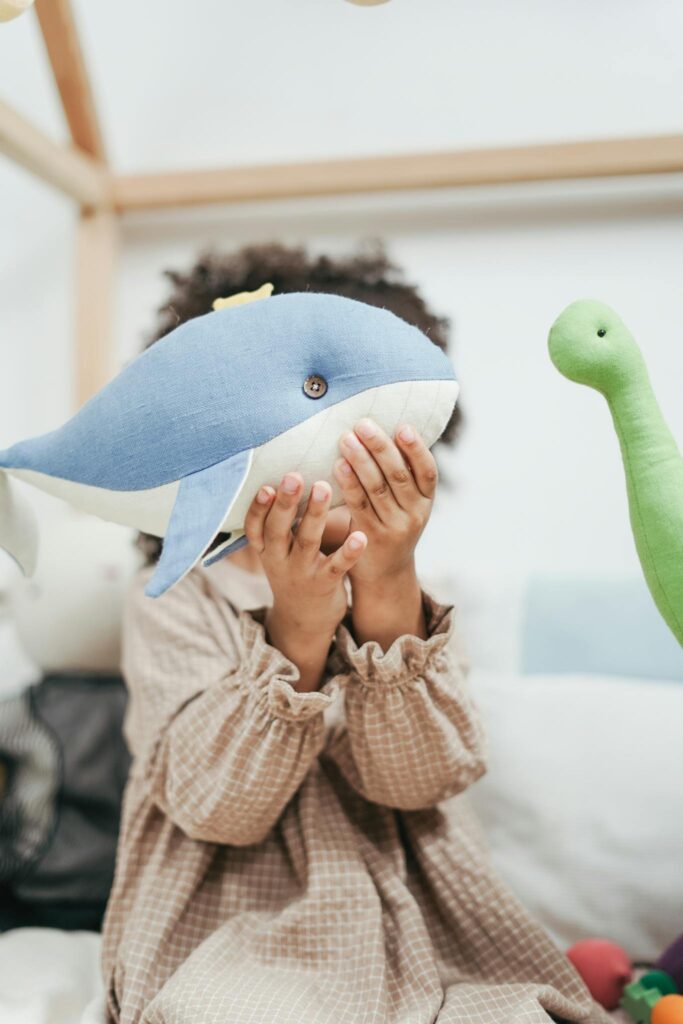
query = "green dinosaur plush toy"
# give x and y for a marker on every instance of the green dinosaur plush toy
(589, 344)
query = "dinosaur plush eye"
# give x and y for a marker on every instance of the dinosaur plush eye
(602, 332)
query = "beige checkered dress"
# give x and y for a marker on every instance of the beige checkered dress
(306, 858)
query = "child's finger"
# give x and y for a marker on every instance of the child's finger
(277, 531)
(345, 557)
(308, 537)
(256, 517)
(390, 461)
(370, 476)
(355, 498)
(419, 458)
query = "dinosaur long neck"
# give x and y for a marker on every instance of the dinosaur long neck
(645, 439)
(654, 481)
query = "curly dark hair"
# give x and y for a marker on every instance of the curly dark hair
(367, 275)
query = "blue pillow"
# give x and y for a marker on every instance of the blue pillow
(601, 626)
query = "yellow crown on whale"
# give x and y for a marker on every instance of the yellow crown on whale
(242, 298)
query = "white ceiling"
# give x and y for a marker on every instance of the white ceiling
(216, 82)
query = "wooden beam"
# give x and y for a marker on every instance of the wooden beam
(58, 27)
(77, 175)
(97, 250)
(661, 154)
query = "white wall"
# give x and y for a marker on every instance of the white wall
(536, 481)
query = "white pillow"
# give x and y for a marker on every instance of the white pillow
(583, 803)
(48, 976)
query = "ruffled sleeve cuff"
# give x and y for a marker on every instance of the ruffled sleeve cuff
(408, 657)
(270, 676)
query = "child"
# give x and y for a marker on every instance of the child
(296, 846)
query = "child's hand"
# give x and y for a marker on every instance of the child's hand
(388, 487)
(309, 599)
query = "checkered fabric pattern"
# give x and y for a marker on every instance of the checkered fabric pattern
(309, 858)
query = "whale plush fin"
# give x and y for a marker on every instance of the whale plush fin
(18, 526)
(203, 501)
(236, 541)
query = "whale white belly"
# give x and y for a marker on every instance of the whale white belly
(312, 447)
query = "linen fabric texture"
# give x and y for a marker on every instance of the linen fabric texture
(309, 857)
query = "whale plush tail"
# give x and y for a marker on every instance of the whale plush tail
(18, 526)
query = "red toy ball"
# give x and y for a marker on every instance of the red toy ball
(606, 970)
(668, 1010)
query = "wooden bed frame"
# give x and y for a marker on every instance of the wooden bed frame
(80, 170)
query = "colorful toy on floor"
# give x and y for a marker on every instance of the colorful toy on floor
(638, 1002)
(669, 1010)
(605, 968)
(671, 961)
(661, 981)
(589, 344)
(178, 444)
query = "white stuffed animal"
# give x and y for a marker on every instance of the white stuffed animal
(68, 615)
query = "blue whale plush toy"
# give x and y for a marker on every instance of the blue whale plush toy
(178, 443)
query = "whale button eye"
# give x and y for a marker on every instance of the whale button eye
(315, 386)
(602, 332)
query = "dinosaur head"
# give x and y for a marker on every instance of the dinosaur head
(588, 343)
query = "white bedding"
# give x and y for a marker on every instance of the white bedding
(580, 802)
(50, 977)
